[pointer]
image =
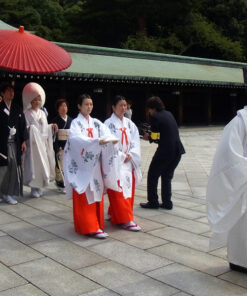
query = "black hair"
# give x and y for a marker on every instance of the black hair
(59, 102)
(117, 99)
(4, 86)
(129, 102)
(155, 103)
(82, 97)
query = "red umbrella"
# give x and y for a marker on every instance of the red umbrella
(24, 52)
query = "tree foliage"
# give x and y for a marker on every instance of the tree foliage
(202, 28)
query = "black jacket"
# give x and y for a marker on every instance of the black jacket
(169, 145)
(15, 119)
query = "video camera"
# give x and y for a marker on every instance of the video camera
(144, 128)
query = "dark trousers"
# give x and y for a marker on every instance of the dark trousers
(164, 168)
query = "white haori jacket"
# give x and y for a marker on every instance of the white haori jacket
(84, 158)
(227, 184)
(129, 143)
(39, 161)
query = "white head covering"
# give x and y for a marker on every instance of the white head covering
(30, 92)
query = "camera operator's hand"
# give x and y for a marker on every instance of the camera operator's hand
(146, 136)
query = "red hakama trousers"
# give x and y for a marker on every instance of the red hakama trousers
(88, 218)
(121, 209)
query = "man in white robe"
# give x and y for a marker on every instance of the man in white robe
(227, 192)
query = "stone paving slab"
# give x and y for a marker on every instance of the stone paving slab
(20, 210)
(181, 223)
(100, 292)
(26, 233)
(235, 278)
(192, 258)
(13, 252)
(53, 278)
(67, 253)
(147, 225)
(221, 252)
(44, 220)
(129, 256)
(2, 233)
(195, 282)
(126, 281)
(9, 279)
(140, 240)
(66, 231)
(6, 218)
(41, 254)
(26, 290)
(182, 237)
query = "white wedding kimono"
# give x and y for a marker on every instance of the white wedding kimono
(39, 162)
(227, 191)
(84, 158)
(129, 143)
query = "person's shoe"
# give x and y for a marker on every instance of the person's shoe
(238, 268)
(40, 192)
(35, 193)
(167, 206)
(132, 226)
(10, 200)
(99, 234)
(148, 205)
(62, 190)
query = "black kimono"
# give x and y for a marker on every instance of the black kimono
(59, 145)
(13, 118)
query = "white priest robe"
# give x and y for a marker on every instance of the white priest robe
(227, 191)
(39, 162)
(84, 157)
(129, 143)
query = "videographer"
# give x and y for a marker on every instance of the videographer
(164, 131)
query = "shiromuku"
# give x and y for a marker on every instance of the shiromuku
(39, 160)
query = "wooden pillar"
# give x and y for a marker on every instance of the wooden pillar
(180, 109)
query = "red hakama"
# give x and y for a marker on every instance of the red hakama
(88, 218)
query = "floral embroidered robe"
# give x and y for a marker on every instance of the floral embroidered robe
(121, 179)
(84, 158)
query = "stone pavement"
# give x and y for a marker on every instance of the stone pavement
(40, 254)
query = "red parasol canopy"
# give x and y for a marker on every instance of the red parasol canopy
(24, 52)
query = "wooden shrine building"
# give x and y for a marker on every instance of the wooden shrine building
(197, 91)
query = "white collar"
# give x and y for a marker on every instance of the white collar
(8, 106)
(84, 119)
(116, 118)
(64, 118)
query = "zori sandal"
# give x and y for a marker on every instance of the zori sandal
(132, 226)
(99, 234)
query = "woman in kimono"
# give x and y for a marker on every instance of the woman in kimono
(83, 169)
(63, 122)
(39, 161)
(129, 167)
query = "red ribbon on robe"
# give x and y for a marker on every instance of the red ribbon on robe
(90, 132)
(124, 137)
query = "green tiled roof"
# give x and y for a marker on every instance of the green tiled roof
(4, 26)
(109, 63)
